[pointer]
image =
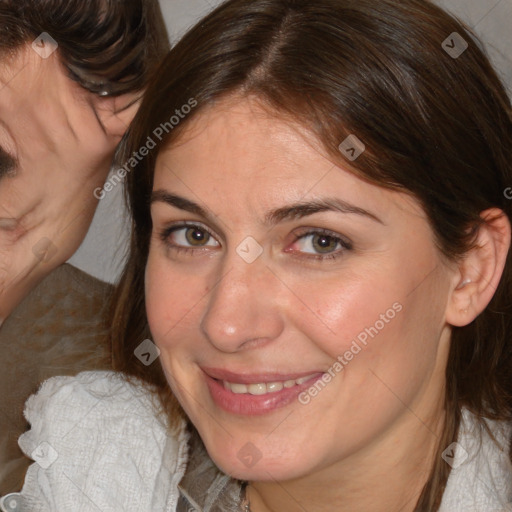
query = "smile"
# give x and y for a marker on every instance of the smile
(263, 388)
(255, 394)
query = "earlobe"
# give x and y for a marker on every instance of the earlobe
(480, 271)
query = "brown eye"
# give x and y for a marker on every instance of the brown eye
(324, 244)
(197, 237)
(321, 244)
(188, 237)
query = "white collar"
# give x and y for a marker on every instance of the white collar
(481, 475)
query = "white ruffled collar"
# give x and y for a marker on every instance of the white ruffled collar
(481, 475)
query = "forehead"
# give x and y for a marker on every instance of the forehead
(239, 130)
(240, 149)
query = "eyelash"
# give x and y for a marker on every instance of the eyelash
(180, 249)
(345, 244)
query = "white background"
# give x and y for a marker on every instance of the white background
(103, 250)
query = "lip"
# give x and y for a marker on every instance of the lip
(254, 405)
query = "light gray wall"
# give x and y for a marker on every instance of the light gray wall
(103, 250)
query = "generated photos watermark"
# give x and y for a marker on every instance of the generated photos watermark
(147, 352)
(44, 45)
(455, 45)
(44, 455)
(352, 148)
(358, 344)
(249, 250)
(455, 455)
(119, 175)
(44, 250)
(249, 455)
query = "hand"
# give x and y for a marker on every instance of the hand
(62, 139)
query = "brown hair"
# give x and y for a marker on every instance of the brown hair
(435, 126)
(106, 45)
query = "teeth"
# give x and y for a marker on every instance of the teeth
(257, 389)
(264, 387)
(272, 387)
(238, 388)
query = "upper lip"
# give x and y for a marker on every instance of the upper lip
(254, 378)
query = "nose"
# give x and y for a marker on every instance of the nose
(243, 309)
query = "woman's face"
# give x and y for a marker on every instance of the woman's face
(270, 266)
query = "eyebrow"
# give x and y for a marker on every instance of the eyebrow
(291, 212)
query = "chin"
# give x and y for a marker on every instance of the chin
(250, 464)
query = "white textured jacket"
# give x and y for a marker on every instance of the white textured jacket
(99, 445)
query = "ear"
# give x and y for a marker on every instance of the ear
(116, 112)
(480, 270)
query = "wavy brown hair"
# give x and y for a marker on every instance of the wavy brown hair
(110, 45)
(436, 127)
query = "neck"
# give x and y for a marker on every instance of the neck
(388, 475)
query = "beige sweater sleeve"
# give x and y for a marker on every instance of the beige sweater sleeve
(59, 329)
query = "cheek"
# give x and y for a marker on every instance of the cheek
(379, 319)
(381, 350)
(173, 298)
(348, 307)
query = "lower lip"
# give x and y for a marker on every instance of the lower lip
(254, 405)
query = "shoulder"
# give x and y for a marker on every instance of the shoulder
(99, 437)
(481, 469)
(88, 397)
(91, 405)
